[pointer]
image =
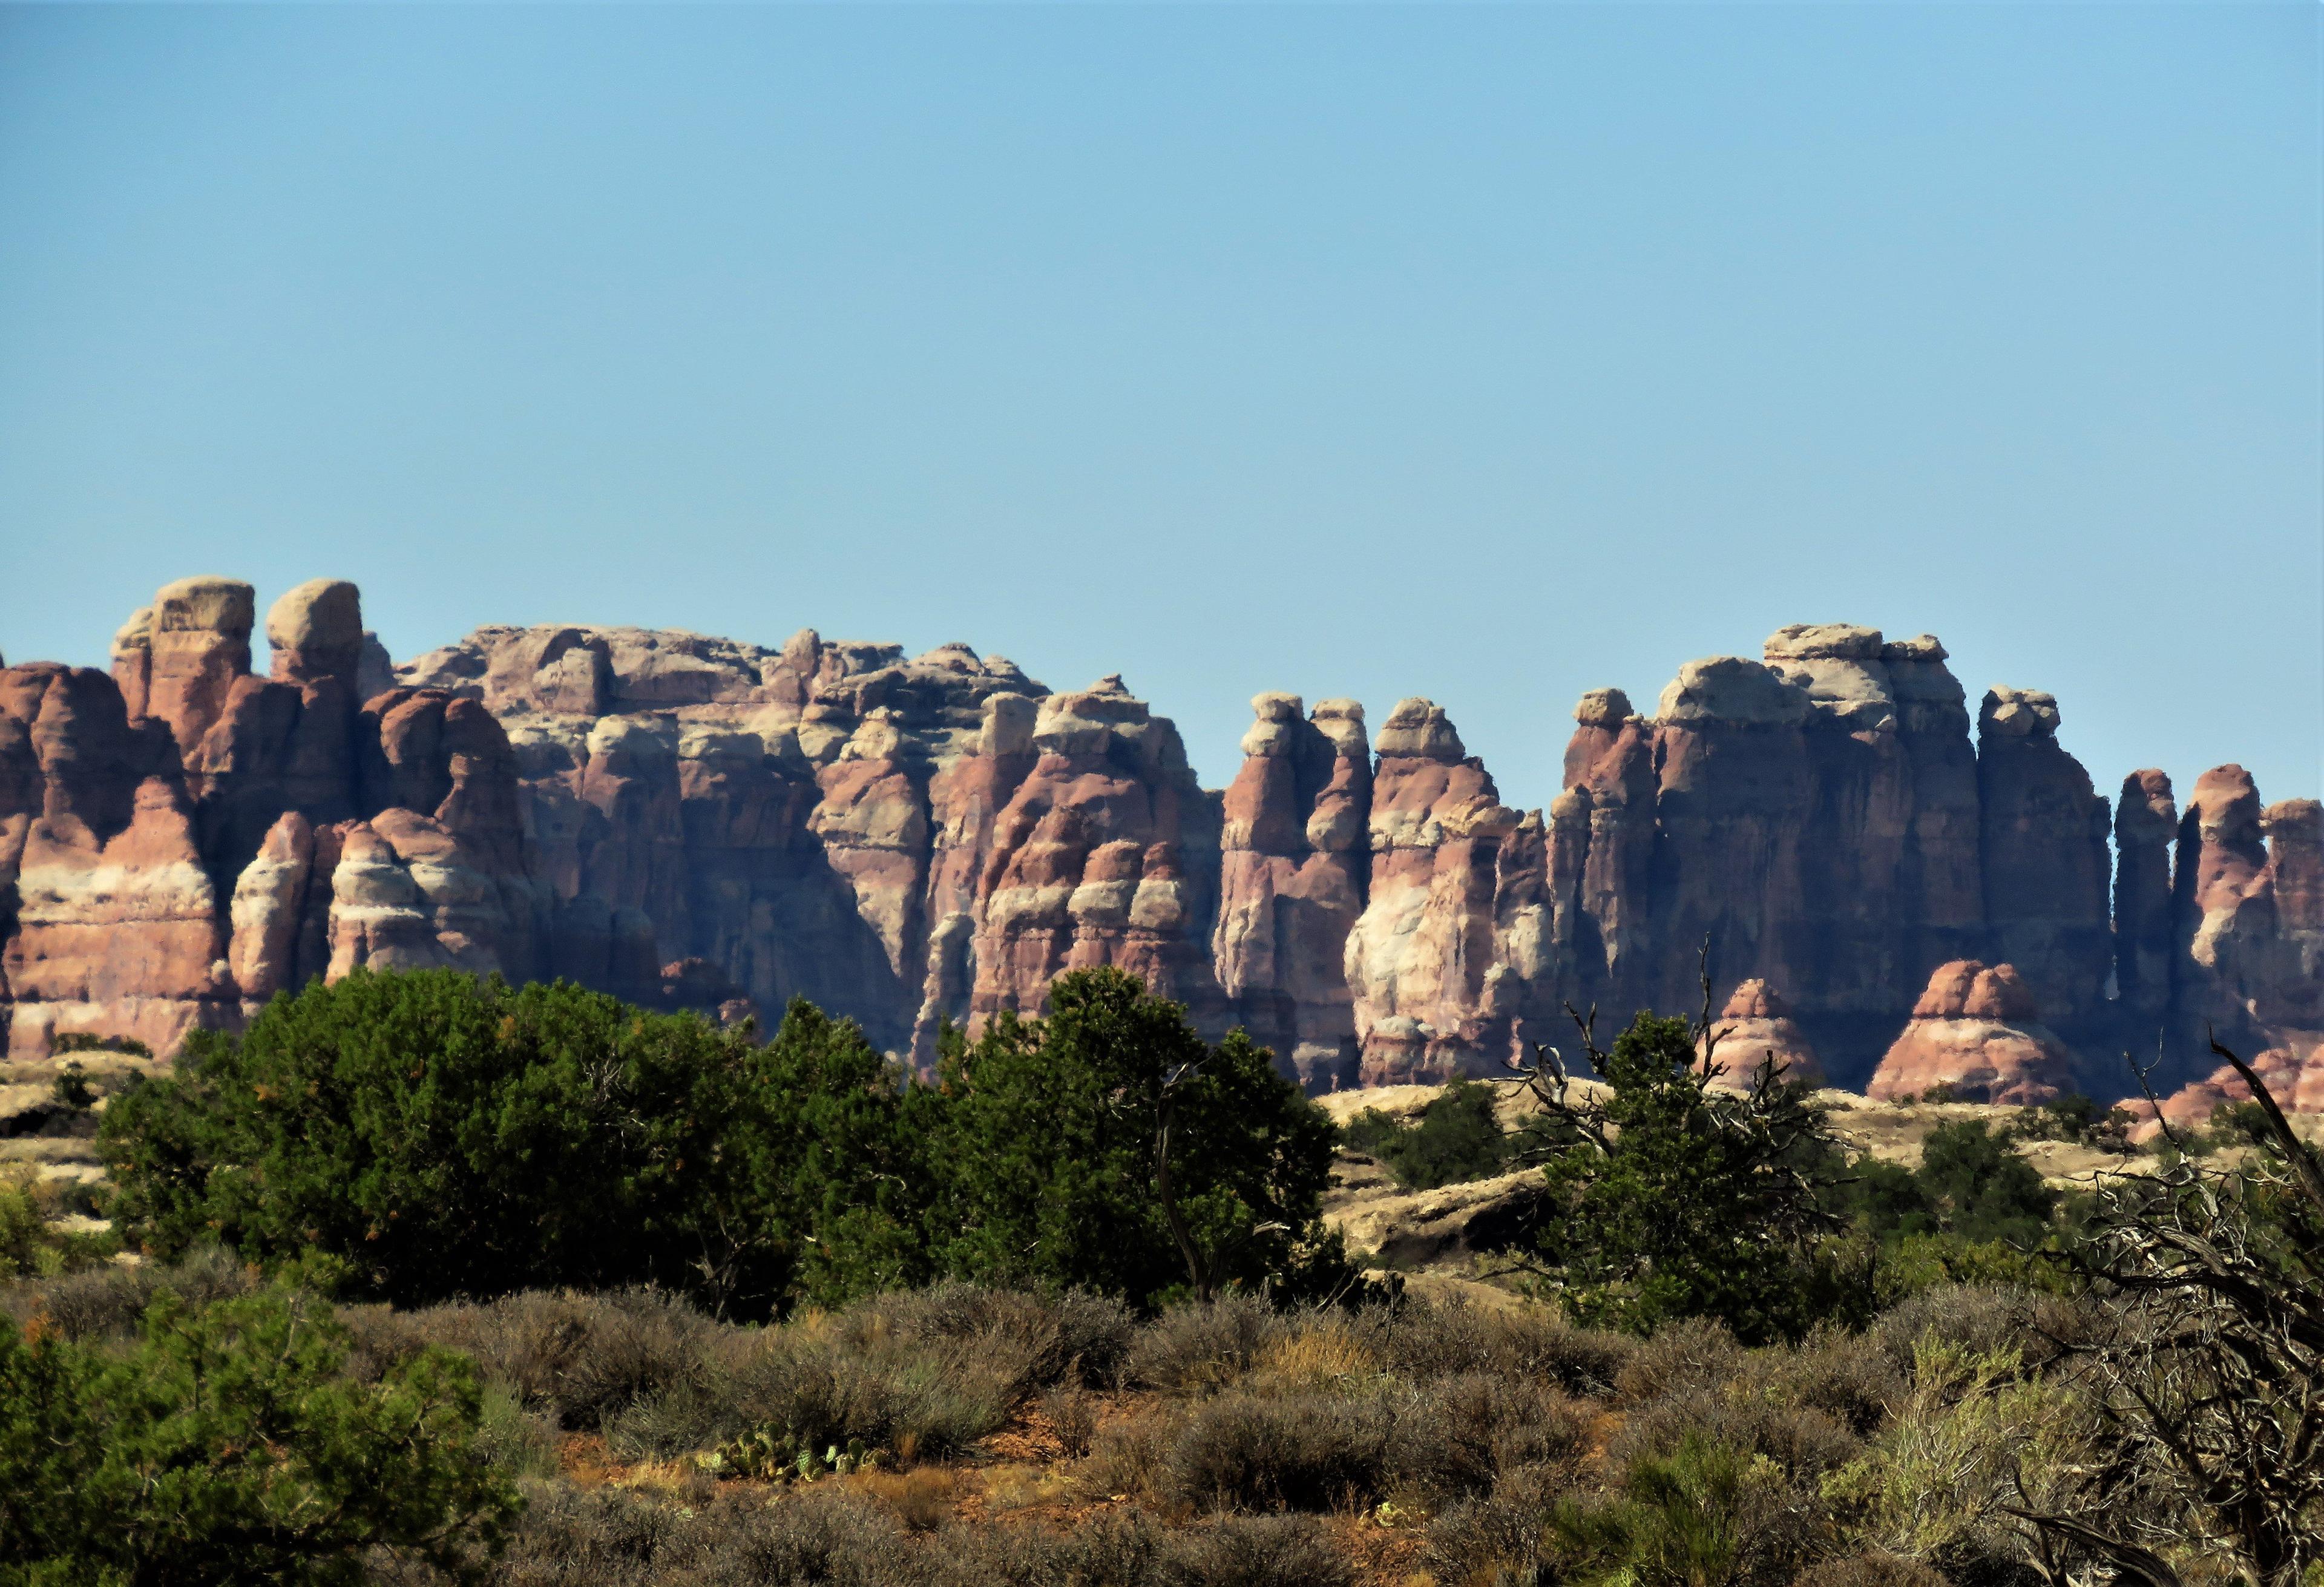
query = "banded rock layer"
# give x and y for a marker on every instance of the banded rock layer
(688, 820)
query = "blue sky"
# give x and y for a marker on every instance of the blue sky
(1485, 353)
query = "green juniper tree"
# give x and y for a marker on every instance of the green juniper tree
(447, 1135)
(1672, 1197)
(1108, 1145)
(229, 1445)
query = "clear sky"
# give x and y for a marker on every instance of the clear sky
(1485, 353)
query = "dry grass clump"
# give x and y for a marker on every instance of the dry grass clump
(105, 1303)
(1874, 1568)
(1420, 1340)
(922, 1497)
(1688, 1358)
(1191, 1348)
(1290, 1452)
(1323, 1352)
(578, 1359)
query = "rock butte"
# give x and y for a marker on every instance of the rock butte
(698, 822)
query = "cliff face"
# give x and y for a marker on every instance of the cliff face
(695, 821)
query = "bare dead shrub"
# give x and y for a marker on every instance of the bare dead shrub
(1072, 1411)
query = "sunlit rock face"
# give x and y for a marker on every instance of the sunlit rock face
(1420, 956)
(1106, 853)
(1755, 1038)
(916, 842)
(1295, 869)
(1977, 1035)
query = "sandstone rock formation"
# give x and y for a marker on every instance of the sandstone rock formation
(2246, 911)
(1294, 874)
(705, 823)
(2044, 851)
(1756, 1028)
(182, 840)
(2145, 820)
(1418, 957)
(1977, 1030)
(1105, 854)
(1813, 817)
(2294, 1078)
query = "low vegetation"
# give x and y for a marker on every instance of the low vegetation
(438, 1280)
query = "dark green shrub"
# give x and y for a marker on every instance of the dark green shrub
(1981, 1189)
(1670, 1198)
(82, 1041)
(228, 1447)
(1060, 1132)
(1704, 1515)
(71, 1088)
(1456, 1137)
(447, 1136)
(2076, 1118)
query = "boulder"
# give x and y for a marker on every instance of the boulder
(1977, 1031)
(1756, 1028)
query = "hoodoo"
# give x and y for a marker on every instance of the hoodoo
(690, 820)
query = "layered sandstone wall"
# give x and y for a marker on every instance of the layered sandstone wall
(695, 821)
